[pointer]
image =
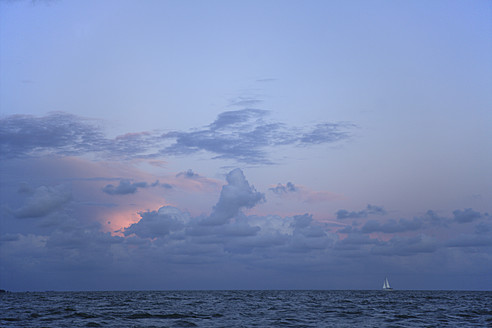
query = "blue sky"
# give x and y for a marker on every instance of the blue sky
(245, 144)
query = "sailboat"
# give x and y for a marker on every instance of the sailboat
(386, 285)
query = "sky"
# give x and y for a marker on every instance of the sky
(156, 145)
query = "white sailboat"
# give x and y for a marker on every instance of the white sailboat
(386, 285)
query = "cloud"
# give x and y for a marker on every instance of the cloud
(43, 201)
(244, 135)
(234, 196)
(188, 174)
(8, 237)
(241, 135)
(308, 236)
(323, 133)
(237, 135)
(158, 223)
(244, 102)
(406, 246)
(470, 240)
(283, 189)
(483, 228)
(25, 188)
(65, 134)
(436, 220)
(157, 183)
(393, 226)
(301, 193)
(466, 216)
(125, 187)
(134, 145)
(238, 118)
(355, 241)
(170, 248)
(59, 133)
(370, 209)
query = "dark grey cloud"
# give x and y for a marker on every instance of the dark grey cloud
(466, 216)
(283, 189)
(43, 201)
(188, 174)
(242, 135)
(239, 145)
(59, 133)
(125, 187)
(65, 134)
(8, 237)
(234, 196)
(344, 214)
(392, 226)
(164, 185)
(370, 209)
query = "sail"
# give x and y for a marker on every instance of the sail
(386, 284)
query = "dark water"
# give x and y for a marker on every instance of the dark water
(247, 309)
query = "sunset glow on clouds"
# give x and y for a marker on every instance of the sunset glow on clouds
(331, 164)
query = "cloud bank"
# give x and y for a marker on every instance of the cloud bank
(229, 247)
(242, 135)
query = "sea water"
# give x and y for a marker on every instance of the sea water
(247, 309)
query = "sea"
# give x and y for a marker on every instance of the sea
(247, 308)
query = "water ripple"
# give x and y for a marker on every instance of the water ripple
(247, 309)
